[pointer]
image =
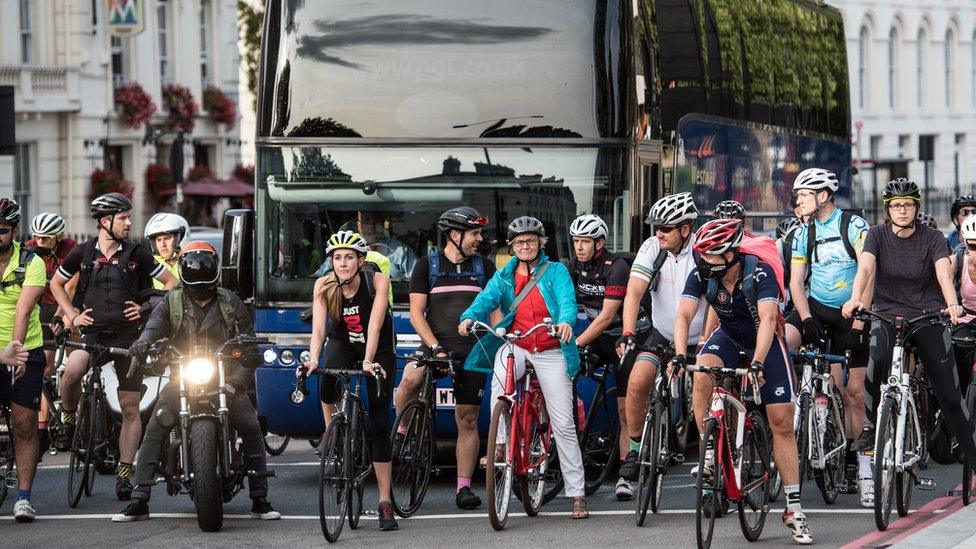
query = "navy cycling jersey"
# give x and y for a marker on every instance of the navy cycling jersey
(733, 312)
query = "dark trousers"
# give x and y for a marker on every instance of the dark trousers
(164, 419)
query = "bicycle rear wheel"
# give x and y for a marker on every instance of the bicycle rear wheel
(413, 452)
(756, 452)
(968, 471)
(646, 463)
(600, 444)
(884, 464)
(334, 473)
(831, 476)
(904, 480)
(80, 461)
(533, 485)
(708, 487)
(500, 470)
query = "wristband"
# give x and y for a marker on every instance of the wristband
(627, 334)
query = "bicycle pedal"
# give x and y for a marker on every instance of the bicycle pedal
(926, 483)
(677, 458)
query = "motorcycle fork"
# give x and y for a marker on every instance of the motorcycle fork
(222, 414)
(185, 425)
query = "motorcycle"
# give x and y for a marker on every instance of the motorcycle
(202, 456)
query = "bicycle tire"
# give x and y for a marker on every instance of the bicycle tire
(79, 462)
(756, 458)
(884, 464)
(803, 438)
(276, 445)
(705, 525)
(412, 460)
(644, 464)
(831, 476)
(904, 480)
(660, 455)
(968, 471)
(99, 438)
(498, 480)
(7, 456)
(601, 441)
(334, 475)
(361, 462)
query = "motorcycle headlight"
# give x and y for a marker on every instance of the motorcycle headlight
(199, 371)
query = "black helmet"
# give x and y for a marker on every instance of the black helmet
(786, 225)
(964, 201)
(463, 218)
(110, 204)
(729, 209)
(9, 211)
(901, 188)
(199, 269)
(927, 219)
(525, 225)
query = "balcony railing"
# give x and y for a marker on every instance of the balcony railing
(42, 88)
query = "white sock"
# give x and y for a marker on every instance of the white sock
(863, 466)
(793, 498)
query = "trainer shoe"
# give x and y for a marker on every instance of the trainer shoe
(261, 509)
(466, 499)
(796, 523)
(624, 491)
(23, 512)
(865, 441)
(865, 489)
(387, 519)
(123, 489)
(136, 510)
(628, 469)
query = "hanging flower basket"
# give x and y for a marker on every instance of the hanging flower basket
(135, 104)
(159, 178)
(181, 107)
(220, 107)
(198, 172)
(244, 173)
(108, 181)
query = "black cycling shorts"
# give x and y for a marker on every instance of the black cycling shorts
(120, 337)
(839, 328)
(469, 387)
(25, 391)
(605, 348)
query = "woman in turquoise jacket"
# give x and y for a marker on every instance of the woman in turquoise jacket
(555, 359)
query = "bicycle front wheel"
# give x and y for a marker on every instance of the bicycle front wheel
(903, 480)
(80, 461)
(708, 486)
(334, 479)
(756, 453)
(884, 463)
(360, 462)
(413, 450)
(803, 438)
(831, 476)
(968, 471)
(660, 454)
(601, 440)
(6, 454)
(646, 465)
(500, 470)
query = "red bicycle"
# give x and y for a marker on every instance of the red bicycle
(735, 460)
(520, 440)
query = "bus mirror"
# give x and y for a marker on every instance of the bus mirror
(237, 269)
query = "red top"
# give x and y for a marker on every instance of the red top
(52, 261)
(531, 311)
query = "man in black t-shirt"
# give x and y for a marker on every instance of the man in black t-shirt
(443, 284)
(113, 271)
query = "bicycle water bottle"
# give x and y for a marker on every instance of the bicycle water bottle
(820, 408)
(580, 415)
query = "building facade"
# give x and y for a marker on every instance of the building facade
(913, 88)
(65, 67)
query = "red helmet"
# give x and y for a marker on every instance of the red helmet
(719, 236)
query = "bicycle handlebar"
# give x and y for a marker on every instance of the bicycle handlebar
(96, 348)
(803, 352)
(868, 315)
(509, 337)
(731, 372)
(301, 375)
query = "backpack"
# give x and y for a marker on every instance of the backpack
(179, 308)
(753, 249)
(845, 226)
(136, 287)
(434, 271)
(20, 273)
(960, 252)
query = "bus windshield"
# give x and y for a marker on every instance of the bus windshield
(394, 195)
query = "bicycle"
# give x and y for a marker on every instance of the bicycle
(345, 455)
(520, 436)
(8, 476)
(968, 469)
(413, 450)
(819, 422)
(91, 435)
(737, 452)
(899, 444)
(600, 443)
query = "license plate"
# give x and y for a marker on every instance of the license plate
(445, 397)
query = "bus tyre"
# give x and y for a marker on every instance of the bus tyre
(207, 496)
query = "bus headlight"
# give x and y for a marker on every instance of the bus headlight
(199, 371)
(270, 356)
(287, 356)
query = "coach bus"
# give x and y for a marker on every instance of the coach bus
(381, 115)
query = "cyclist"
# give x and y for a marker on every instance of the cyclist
(442, 285)
(167, 233)
(600, 279)
(661, 268)
(825, 254)
(908, 269)
(352, 297)
(962, 207)
(21, 287)
(49, 243)
(748, 324)
(964, 271)
(550, 294)
(200, 314)
(113, 272)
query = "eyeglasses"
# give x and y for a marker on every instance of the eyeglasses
(525, 243)
(664, 229)
(971, 246)
(968, 211)
(804, 193)
(905, 206)
(5, 230)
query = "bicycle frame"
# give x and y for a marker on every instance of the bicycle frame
(350, 409)
(811, 384)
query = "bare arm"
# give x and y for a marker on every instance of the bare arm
(418, 319)
(863, 283)
(29, 296)
(169, 281)
(686, 313)
(377, 315)
(943, 272)
(319, 319)
(798, 274)
(60, 294)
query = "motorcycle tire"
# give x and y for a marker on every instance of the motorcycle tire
(207, 493)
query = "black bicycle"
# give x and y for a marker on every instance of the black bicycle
(600, 440)
(656, 453)
(968, 470)
(8, 476)
(413, 436)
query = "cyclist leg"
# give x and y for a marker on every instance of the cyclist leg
(46, 314)
(25, 399)
(499, 370)
(469, 390)
(410, 381)
(550, 368)
(639, 381)
(935, 351)
(379, 424)
(879, 363)
(338, 355)
(718, 351)
(130, 396)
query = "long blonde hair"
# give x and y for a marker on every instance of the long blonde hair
(330, 292)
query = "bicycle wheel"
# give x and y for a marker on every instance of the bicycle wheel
(884, 463)
(334, 475)
(79, 463)
(968, 471)
(644, 462)
(600, 444)
(7, 474)
(498, 478)
(361, 463)
(904, 480)
(660, 454)
(754, 502)
(803, 438)
(275, 444)
(708, 486)
(412, 455)
(831, 476)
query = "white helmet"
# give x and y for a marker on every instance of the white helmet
(47, 224)
(167, 223)
(968, 228)
(588, 226)
(673, 209)
(815, 179)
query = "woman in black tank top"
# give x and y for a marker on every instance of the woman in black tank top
(350, 304)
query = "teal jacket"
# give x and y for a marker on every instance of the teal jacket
(559, 294)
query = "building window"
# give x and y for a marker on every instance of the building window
(862, 66)
(117, 47)
(26, 33)
(893, 68)
(23, 172)
(950, 62)
(206, 79)
(162, 24)
(904, 142)
(115, 159)
(973, 69)
(920, 68)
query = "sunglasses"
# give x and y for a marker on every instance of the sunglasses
(664, 229)
(968, 211)
(971, 246)
(5, 230)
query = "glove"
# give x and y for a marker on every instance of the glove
(679, 361)
(854, 338)
(757, 367)
(627, 340)
(812, 332)
(140, 349)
